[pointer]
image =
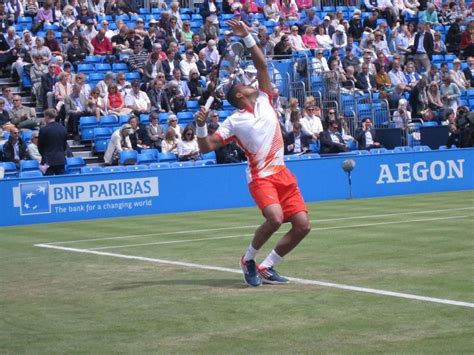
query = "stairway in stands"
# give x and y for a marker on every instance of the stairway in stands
(79, 149)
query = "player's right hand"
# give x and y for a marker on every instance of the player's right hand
(201, 117)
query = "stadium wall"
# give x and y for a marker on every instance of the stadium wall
(92, 196)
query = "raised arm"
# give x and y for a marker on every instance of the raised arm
(239, 28)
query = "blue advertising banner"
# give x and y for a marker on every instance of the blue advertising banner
(79, 197)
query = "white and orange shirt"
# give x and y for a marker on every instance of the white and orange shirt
(258, 134)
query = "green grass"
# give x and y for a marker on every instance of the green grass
(57, 301)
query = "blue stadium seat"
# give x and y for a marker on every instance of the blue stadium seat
(361, 152)
(92, 59)
(26, 135)
(132, 76)
(145, 118)
(309, 156)
(123, 17)
(156, 10)
(87, 125)
(206, 162)
(151, 151)
(163, 117)
(30, 174)
(136, 167)
(158, 165)
(102, 67)
(185, 117)
(101, 144)
(114, 169)
(209, 156)
(169, 157)
(92, 170)
(26, 165)
(23, 19)
(102, 132)
(85, 68)
(108, 121)
(74, 165)
(146, 158)
(379, 151)
(449, 58)
(128, 157)
(193, 105)
(116, 67)
(430, 124)
(144, 11)
(123, 119)
(9, 170)
(96, 77)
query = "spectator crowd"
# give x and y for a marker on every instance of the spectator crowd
(156, 61)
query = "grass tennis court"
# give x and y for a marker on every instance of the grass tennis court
(170, 283)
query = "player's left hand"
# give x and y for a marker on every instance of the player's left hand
(201, 117)
(239, 28)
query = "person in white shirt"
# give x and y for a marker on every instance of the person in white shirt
(137, 100)
(119, 141)
(311, 124)
(339, 38)
(188, 63)
(188, 147)
(211, 52)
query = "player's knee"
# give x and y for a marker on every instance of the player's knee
(303, 229)
(275, 220)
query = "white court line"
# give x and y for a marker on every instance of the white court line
(295, 280)
(281, 232)
(255, 226)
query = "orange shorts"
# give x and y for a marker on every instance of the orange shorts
(280, 188)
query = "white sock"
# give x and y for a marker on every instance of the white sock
(251, 253)
(272, 259)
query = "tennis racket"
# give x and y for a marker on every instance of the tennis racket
(224, 73)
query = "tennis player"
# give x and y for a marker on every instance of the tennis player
(255, 128)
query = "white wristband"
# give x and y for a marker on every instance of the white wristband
(249, 41)
(201, 132)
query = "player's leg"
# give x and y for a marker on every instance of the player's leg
(273, 219)
(300, 227)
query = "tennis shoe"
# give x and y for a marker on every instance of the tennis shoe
(271, 276)
(249, 268)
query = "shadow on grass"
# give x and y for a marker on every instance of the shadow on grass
(218, 283)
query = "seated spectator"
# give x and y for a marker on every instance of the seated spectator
(41, 50)
(211, 52)
(331, 140)
(453, 36)
(75, 53)
(384, 84)
(458, 75)
(52, 44)
(366, 136)
(194, 84)
(19, 58)
(158, 96)
(438, 45)
(297, 142)
(123, 85)
(14, 149)
(22, 116)
(450, 94)
(95, 104)
(323, 38)
(170, 143)
(5, 123)
(37, 70)
(430, 16)
(116, 102)
(173, 126)
(187, 147)
(187, 63)
(81, 81)
(283, 48)
(204, 66)
(152, 67)
(351, 80)
(137, 100)
(402, 116)
(319, 62)
(32, 148)
(310, 123)
(271, 11)
(177, 101)
(289, 10)
(309, 39)
(139, 136)
(458, 137)
(138, 58)
(296, 41)
(365, 80)
(101, 44)
(411, 76)
(155, 132)
(434, 98)
(276, 36)
(339, 38)
(186, 32)
(418, 98)
(104, 84)
(7, 97)
(469, 71)
(31, 8)
(119, 141)
(120, 42)
(169, 64)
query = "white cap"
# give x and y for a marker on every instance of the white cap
(251, 69)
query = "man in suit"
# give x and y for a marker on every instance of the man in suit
(75, 106)
(365, 80)
(423, 48)
(469, 71)
(52, 143)
(204, 66)
(158, 97)
(170, 64)
(366, 136)
(47, 82)
(295, 141)
(331, 140)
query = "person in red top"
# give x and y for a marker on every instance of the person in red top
(115, 101)
(467, 40)
(101, 44)
(255, 127)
